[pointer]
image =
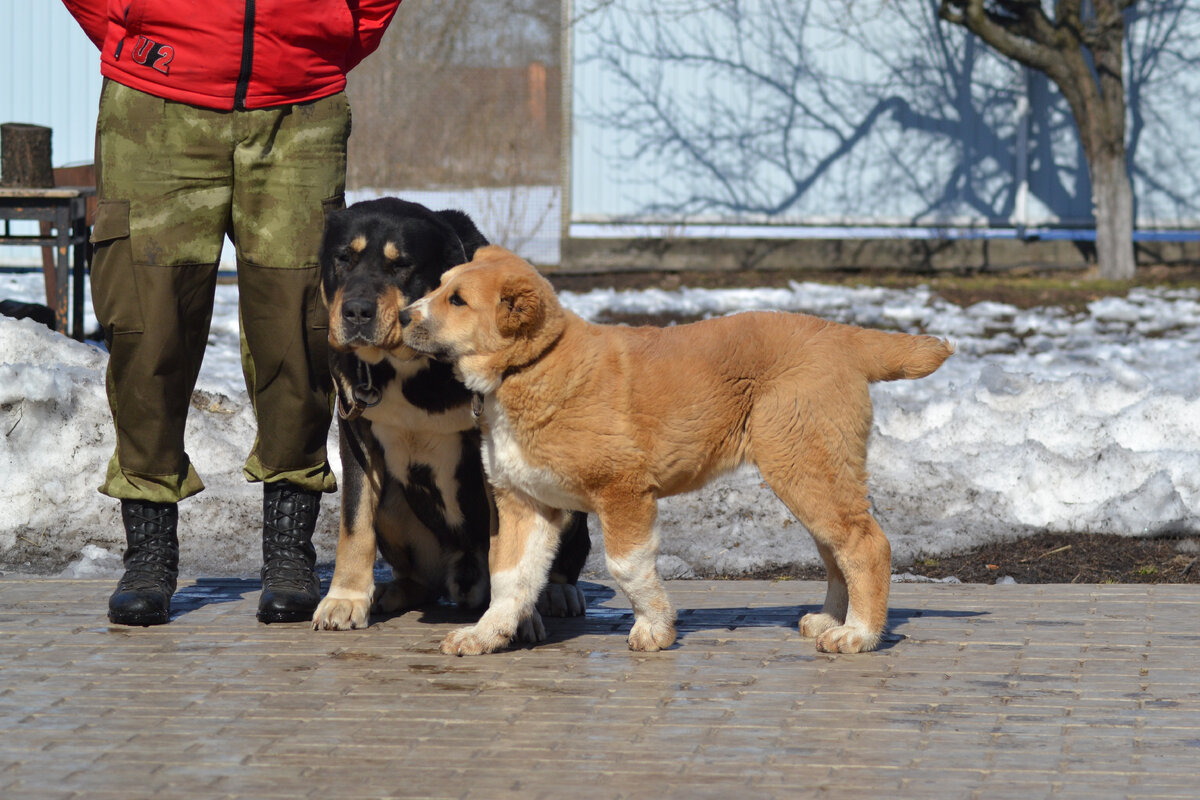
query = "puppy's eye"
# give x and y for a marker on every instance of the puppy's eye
(456, 300)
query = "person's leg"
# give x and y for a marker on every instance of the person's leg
(290, 168)
(164, 195)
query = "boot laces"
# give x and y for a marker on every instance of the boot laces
(288, 553)
(288, 564)
(152, 553)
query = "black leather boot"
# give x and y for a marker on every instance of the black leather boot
(143, 595)
(291, 589)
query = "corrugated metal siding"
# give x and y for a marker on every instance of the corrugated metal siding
(52, 76)
(906, 121)
(49, 75)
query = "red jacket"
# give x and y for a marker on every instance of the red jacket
(233, 53)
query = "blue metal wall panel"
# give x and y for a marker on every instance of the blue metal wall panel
(49, 75)
(785, 112)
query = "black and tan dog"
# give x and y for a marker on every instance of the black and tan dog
(413, 484)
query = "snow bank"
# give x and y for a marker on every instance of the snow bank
(1042, 421)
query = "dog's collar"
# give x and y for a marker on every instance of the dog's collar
(363, 393)
(517, 369)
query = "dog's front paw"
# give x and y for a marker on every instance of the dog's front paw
(531, 628)
(847, 639)
(399, 595)
(562, 600)
(342, 613)
(649, 636)
(473, 641)
(813, 625)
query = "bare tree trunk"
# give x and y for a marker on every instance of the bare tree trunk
(1112, 201)
(1020, 29)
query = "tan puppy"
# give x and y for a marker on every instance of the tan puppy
(608, 419)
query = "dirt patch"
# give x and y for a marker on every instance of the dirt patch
(1051, 558)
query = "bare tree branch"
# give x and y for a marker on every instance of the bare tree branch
(1018, 29)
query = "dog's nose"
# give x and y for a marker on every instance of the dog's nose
(405, 317)
(358, 312)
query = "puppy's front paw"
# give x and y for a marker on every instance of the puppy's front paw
(813, 625)
(342, 613)
(473, 641)
(649, 636)
(847, 639)
(562, 600)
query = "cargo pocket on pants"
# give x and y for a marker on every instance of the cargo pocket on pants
(318, 312)
(114, 282)
(317, 342)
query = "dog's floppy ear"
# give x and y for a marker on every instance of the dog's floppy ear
(521, 311)
(454, 253)
(468, 235)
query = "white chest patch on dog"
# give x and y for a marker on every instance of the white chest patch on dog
(506, 465)
(410, 436)
(395, 411)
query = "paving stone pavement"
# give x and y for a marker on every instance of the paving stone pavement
(980, 692)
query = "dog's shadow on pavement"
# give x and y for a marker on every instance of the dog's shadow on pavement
(699, 623)
(445, 612)
(704, 622)
(600, 619)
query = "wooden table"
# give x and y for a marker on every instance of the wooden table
(65, 209)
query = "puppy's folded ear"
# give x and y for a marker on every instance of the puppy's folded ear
(521, 311)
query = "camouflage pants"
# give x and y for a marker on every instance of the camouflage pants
(173, 181)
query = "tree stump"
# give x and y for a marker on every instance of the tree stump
(25, 156)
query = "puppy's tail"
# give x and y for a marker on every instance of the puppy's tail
(894, 356)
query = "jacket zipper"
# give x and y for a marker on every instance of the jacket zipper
(121, 44)
(243, 82)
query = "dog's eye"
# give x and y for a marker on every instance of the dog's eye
(456, 300)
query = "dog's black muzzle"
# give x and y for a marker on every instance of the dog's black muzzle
(359, 315)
